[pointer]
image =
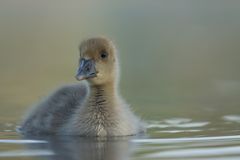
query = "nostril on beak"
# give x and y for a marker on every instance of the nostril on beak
(87, 69)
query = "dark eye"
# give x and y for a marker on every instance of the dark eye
(103, 54)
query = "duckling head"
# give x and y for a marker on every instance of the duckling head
(98, 61)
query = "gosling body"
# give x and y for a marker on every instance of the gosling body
(94, 108)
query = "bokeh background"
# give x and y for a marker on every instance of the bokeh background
(179, 58)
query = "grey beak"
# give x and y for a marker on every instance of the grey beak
(86, 69)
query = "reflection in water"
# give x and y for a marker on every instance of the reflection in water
(83, 148)
(193, 144)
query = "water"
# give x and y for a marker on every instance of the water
(180, 73)
(174, 138)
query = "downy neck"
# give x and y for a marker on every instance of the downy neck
(102, 96)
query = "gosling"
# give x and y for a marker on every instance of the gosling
(94, 108)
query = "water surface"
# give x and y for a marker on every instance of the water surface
(175, 138)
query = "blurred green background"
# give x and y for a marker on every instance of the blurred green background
(178, 57)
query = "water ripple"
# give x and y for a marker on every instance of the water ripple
(183, 140)
(177, 123)
(26, 153)
(232, 118)
(13, 141)
(179, 131)
(235, 150)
